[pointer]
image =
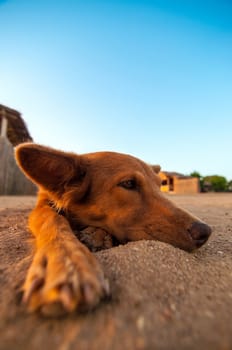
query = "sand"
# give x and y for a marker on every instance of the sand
(162, 297)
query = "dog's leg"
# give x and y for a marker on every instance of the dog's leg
(64, 275)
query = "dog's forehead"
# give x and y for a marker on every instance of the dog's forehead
(114, 162)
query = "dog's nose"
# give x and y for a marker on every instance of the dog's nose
(199, 232)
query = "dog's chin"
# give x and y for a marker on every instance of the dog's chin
(183, 241)
(189, 247)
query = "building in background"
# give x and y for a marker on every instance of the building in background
(173, 182)
(13, 131)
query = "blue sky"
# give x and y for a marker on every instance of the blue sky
(149, 78)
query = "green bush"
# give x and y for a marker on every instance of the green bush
(215, 183)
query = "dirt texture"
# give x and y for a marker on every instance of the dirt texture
(161, 297)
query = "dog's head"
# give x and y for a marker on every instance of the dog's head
(116, 192)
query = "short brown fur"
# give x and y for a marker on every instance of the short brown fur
(103, 197)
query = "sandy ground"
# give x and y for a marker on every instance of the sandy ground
(162, 297)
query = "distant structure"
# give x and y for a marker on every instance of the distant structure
(173, 182)
(13, 131)
(13, 126)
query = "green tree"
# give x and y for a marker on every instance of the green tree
(198, 175)
(215, 183)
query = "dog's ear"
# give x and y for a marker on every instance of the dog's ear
(156, 168)
(51, 169)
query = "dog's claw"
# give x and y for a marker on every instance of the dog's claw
(89, 294)
(66, 297)
(36, 284)
(106, 287)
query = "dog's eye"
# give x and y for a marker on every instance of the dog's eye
(128, 184)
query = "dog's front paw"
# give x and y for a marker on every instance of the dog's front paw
(95, 238)
(62, 279)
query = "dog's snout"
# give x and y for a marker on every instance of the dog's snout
(200, 233)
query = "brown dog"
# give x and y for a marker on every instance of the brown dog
(107, 196)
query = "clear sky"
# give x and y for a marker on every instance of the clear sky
(149, 78)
